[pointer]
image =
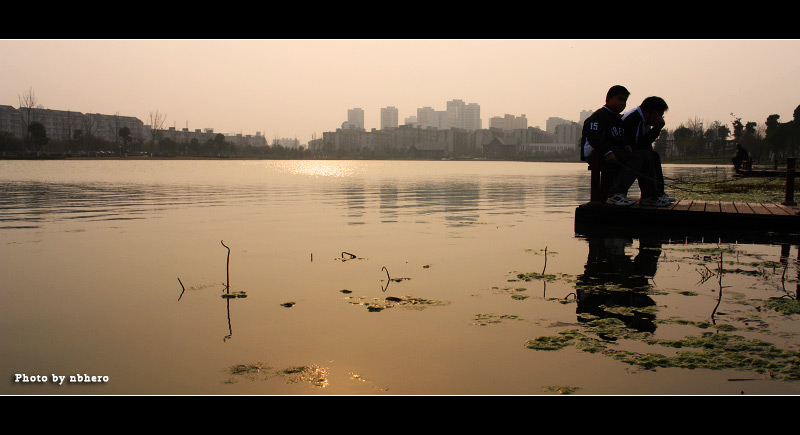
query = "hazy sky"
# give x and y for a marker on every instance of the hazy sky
(296, 88)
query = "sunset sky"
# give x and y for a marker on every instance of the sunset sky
(297, 88)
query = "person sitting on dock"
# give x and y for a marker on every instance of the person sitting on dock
(741, 156)
(643, 124)
(603, 139)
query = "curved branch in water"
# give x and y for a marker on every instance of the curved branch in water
(227, 269)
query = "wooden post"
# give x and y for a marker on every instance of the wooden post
(790, 161)
(595, 194)
(598, 188)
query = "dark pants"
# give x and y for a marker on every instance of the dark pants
(651, 177)
(626, 168)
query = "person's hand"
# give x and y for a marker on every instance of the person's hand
(610, 157)
(659, 123)
(628, 148)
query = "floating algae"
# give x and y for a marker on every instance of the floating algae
(407, 302)
(531, 276)
(709, 350)
(491, 318)
(236, 294)
(784, 306)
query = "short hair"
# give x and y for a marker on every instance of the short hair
(617, 90)
(652, 104)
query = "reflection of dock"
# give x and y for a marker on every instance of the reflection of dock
(691, 215)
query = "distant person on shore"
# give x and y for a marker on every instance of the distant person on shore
(642, 125)
(741, 155)
(603, 139)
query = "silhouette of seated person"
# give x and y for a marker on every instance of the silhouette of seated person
(740, 157)
(613, 285)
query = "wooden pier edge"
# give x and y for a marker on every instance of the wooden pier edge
(689, 217)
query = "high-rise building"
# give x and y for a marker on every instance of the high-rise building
(463, 115)
(471, 117)
(584, 115)
(355, 118)
(553, 121)
(509, 122)
(425, 117)
(389, 118)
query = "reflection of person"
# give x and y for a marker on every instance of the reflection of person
(642, 126)
(741, 155)
(613, 285)
(603, 140)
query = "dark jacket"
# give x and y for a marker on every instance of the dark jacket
(638, 134)
(603, 131)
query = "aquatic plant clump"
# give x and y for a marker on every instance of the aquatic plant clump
(710, 350)
(535, 276)
(784, 306)
(746, 189)
(408, 302)
(491, 318)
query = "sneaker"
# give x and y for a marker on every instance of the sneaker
(619, 199)
(656, 201)
(668, 198)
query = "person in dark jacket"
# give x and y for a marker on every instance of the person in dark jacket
(604, 137)
(642, 125)
(741, 155)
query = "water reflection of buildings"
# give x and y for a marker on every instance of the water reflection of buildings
(461, 201)
(614, 285)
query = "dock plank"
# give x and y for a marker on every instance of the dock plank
(698, 206)
(792, 210)
(758, 208)
(727, 207)
(775, 209)
(743, 208)
(713, 207)
(682, 204)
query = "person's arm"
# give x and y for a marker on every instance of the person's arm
(598, 136)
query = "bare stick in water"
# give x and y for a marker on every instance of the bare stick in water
(227, 269)
(184, 289)
(388, 279)
(545, 260)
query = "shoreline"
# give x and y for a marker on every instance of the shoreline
(679, 161)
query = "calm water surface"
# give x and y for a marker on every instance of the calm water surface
(360, 277)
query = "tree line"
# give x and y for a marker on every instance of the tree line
(771, 141)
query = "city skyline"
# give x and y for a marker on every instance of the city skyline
(302, 88)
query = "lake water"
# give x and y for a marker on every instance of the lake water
(365, 277)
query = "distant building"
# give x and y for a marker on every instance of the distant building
(65, 124)
(463, 115)
(286, 142)
(584, 115)
(568, 133)
(509, 122)
(185, 136)
(389, 117)
(553, 121)
(355, 118)
(470, 118)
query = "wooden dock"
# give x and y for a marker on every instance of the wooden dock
(686, 217)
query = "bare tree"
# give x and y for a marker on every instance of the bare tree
(156, 123)
(28, 103)
(89, 130)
